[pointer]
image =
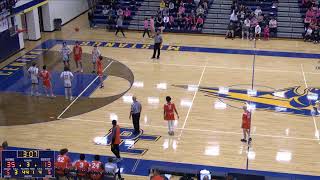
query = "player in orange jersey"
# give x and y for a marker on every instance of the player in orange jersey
(168, 112)
(81, 167)
(77, 55)
(100, 71)
(63, 164)
(46, 78)
(96, 169)
(246, 124)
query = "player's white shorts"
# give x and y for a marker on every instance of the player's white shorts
(34, 80)
(66, 58)
(67, 84)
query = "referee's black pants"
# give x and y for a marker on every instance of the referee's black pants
(119, 28)
(156, 48)
(136, 122)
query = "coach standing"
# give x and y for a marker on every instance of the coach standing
(157, 44)
(135, 113)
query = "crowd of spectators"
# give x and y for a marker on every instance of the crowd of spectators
(112, 10)
(311, 21)
(183, 15)
(252, 24)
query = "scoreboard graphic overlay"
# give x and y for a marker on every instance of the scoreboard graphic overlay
(27, 164)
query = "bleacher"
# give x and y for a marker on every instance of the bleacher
(289, 15)
(101, 20)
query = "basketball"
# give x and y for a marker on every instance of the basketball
(77, 29)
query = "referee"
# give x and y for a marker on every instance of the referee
(157, 45)
(135, 113)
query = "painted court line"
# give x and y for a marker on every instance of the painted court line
(314, 119)
(59, 117)
(193, 129)
(194, 96)
(218, 67)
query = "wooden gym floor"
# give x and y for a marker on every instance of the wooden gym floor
(208, 131)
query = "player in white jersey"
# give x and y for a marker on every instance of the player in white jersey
(67, 77)
(34, 75)
(95, 55)
(65, 53)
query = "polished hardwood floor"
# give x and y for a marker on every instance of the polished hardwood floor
(208, 131)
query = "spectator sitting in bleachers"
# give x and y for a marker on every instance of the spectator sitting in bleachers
(171, 7)
(162, 5)
(258, 11)
(199, 22)
(273, 27)
(266, 32)
(200, 11)
(127, 14)
(230, 31)
(119, 12)
(246, 28)
(274, 9)
(315, 35)
(308, 34)
(105, 10)
(257, 32)
(233, 17)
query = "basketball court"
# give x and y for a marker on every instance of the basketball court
(209, 79)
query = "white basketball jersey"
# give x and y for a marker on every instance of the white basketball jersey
(34, 72)
(67, 77)
(95, 54)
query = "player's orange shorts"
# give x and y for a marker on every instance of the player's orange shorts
(245, 124)
(47, 84)
(77, 58)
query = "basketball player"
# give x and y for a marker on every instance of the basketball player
(65, 52)
(115, 139)
(168, 112)
(95, 55)
(96, 168)
(82, 167)
(246, 124)
(34, 75)
(46, 78)
(62, 164)
(77, 52)
(67, 77)
(99, 71)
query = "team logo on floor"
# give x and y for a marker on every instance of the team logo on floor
(128, 140)
(294, 100)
